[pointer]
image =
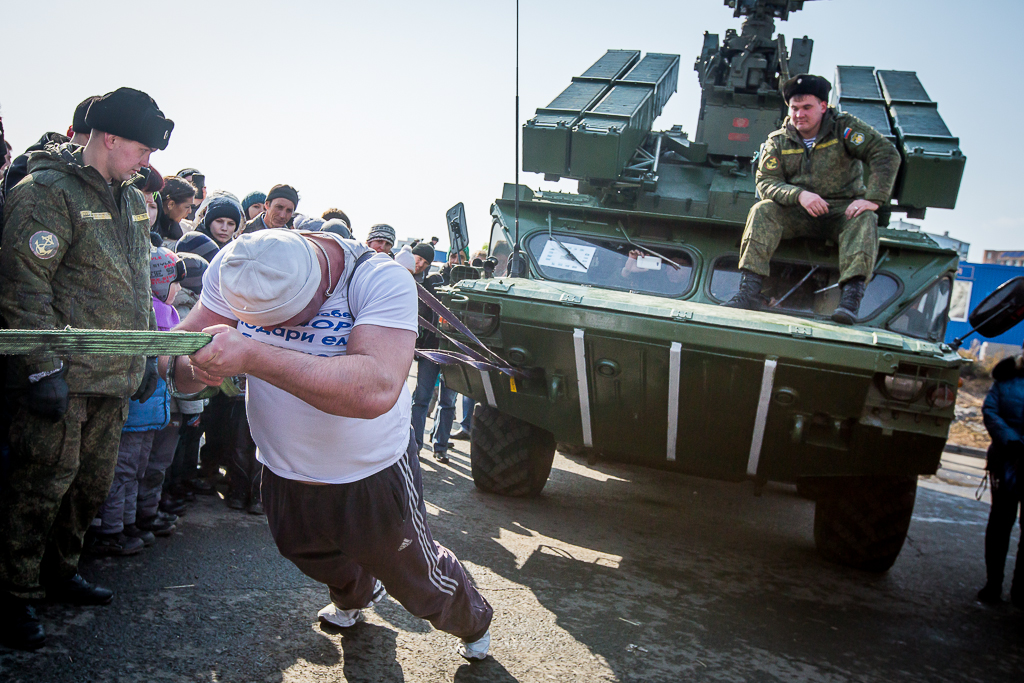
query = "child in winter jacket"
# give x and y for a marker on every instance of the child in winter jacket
(166, 270)
(121, 532)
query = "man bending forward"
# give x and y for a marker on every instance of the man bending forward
(326, 339)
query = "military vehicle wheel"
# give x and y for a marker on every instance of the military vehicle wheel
(861, 522)
(508, 456)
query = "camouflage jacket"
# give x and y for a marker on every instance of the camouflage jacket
(75, 252)
(833, 168)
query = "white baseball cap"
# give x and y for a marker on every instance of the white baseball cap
(269, 276)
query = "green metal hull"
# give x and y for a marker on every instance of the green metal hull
(822, 413)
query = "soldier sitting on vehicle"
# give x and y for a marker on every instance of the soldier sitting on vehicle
(810, 177)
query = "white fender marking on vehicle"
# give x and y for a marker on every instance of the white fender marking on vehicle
(674, 356)
(584, 389)
(488, 389)
(767, 382)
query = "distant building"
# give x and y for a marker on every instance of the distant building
(1004, 258)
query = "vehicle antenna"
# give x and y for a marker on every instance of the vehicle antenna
(514, 270)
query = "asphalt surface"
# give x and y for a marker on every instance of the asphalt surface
(616, 573)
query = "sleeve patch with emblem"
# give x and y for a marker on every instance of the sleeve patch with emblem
(857, 138)
(771, 163)
(43, 244)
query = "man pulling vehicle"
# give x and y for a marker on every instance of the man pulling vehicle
(325, 328)
(810, 178)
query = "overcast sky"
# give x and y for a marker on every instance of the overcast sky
(395, 111)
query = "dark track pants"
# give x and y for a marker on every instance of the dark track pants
(348, 535)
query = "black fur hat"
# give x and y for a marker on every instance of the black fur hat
(130, 114)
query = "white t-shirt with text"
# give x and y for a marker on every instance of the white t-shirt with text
(296, 440)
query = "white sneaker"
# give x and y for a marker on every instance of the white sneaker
(343, 618)
(477, 649)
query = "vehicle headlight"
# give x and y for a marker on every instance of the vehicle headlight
(903, 388)
(941, 396)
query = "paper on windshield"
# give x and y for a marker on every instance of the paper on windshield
(554, 256)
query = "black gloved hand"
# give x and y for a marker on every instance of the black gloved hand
(48, 397)
(149, 381)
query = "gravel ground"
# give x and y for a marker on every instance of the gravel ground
(616, 573)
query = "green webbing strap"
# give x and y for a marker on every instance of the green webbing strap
(70, 342)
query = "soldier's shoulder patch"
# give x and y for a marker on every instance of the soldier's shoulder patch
(43, 244)
(771, 162)
(857, 138)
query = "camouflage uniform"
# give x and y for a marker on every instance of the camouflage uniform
(832, 169)
(75, 252)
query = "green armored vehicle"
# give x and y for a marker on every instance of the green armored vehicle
(611, 304)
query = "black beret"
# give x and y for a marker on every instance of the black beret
(284, 192)
(78, 123)
(130, 114)
(806, 84)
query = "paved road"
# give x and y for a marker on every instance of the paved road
(615, 574)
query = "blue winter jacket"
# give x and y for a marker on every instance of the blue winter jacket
(153, 414)
(1004, 407)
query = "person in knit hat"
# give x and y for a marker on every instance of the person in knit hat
(183, 472)
(253, 204)
(281, 203)
(381, 238)
(222, 217)
(328, 404)
(168, 271)
(197, 243)
(121, 532)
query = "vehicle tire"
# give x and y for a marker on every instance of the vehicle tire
(861, 522)
(508, 456)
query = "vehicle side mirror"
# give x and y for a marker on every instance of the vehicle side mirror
(998, 312)
(458, 233)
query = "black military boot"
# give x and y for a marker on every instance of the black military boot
(849, 304)
(19, 626)
(749, 296)
(78, 591)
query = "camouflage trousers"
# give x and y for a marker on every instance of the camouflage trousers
(60, 474)
(769, 223)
